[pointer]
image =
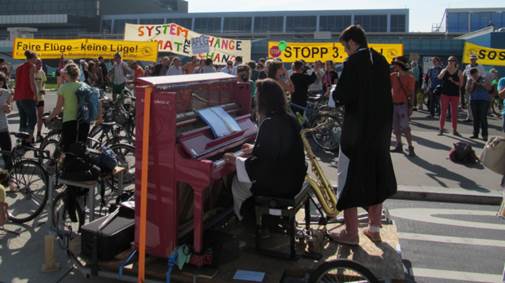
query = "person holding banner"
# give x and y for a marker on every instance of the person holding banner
(25, 94)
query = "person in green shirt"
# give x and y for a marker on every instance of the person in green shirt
(67, 102)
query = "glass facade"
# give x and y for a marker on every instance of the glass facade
(372, 23)
(237, 24)
(463, 22)
(398, 23)
(208, 24)
(71, 7)
(152, 21)
(301, 23)
(119, 25)
(185, 22)
(334, 23)
(268, 24)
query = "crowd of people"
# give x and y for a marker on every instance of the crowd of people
(471, 89)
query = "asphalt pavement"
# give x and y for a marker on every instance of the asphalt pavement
(442, 242)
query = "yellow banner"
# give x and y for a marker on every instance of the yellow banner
(177, 39)
(86, 48)
(324, 51)
(485, 55)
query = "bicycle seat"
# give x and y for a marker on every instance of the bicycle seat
(21, 135)
(108, 124)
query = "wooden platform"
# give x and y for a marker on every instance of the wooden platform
(382, 259)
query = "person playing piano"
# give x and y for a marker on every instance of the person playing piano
(275, 165)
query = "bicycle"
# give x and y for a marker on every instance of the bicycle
(342, 271)
(28, 184)
(316, 114)
(67, 221)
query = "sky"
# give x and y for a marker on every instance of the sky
(423, 13)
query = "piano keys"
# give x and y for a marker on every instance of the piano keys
(184, 157)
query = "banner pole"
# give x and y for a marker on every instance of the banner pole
(143, 184)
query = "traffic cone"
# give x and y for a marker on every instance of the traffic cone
(50, 264)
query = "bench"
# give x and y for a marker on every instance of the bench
(282, 209)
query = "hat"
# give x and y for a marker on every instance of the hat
(473, 57)
(401, 61)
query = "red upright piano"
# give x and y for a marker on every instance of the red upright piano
(185, 159)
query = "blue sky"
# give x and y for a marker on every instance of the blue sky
(423, 13)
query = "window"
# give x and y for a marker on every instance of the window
(372, 23)
(301, 24)
(457, 22)
(268, 24)
(208, 24)
(398, 23)
(185, 22)
(152, 21)
(119, 25)
(334, 23)
(107, 26)
(237, 24)
(480, 20)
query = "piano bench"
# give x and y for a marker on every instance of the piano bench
(284, 210)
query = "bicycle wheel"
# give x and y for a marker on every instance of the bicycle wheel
(62, 221)
(342, 271)
(327, 137)
(27, 192)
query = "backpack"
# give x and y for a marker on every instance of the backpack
(463, 153)
(87, 97)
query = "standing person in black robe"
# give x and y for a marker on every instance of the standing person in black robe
(365, 170)
(301, 80)
(275, 164)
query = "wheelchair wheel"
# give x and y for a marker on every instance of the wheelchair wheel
(342, 271)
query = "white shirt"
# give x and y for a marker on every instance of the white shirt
(468, 67)
(173, 70)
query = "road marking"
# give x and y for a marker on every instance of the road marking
(429, 215)
(452, 240)
(456, 275)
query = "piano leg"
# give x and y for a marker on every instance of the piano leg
(198, 258)
(198, 220)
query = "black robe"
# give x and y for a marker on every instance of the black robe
(277, 165)
(364, 89)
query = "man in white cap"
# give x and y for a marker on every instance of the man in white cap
(473, 64)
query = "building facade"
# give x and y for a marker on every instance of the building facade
(469, 20)
(261, 24)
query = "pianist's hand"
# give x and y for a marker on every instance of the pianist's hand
(247, 149)
(229, 158)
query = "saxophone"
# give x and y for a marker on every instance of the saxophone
(319, 183)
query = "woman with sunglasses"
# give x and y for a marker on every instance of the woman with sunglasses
(452, 79)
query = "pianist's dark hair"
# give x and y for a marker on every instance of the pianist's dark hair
(270, 98)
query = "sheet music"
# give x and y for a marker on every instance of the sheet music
(220, 122)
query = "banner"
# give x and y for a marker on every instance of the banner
(312, 51)
(178, 40)
(485, 55)
(85, 48)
